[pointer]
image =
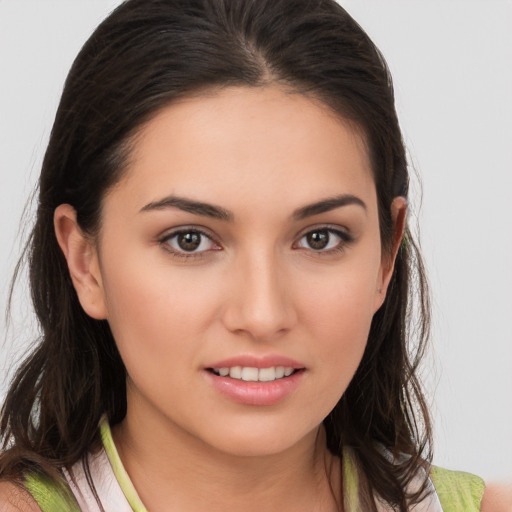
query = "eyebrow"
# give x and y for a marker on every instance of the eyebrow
(187, 205)
(217, 212)
(326, 205)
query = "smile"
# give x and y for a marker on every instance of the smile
(251, 374)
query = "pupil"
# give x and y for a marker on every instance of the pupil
(189, 241)
(318, 239)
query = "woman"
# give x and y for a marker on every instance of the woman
(221, 267)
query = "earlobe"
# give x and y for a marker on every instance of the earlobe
(398, 215)
(82, 259)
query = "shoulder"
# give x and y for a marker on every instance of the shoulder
(50, 494)
(38, 493)
(14, 498)
(497, 498)
(457, 490)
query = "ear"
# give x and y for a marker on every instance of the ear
(82, 259)
(398, 216)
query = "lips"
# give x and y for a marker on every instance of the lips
(256, 380)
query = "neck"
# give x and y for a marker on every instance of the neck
(173, 470)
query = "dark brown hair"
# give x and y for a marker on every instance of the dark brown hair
(146, 54)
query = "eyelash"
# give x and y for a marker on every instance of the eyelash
(345, 239)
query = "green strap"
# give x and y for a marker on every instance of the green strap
(50, 496)
(458, 491)
(121, 474)
(350, 481)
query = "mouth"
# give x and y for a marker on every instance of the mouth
(252, 374)
(260, 380)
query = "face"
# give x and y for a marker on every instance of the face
(239, 266)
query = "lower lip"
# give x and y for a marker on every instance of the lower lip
(256, 393)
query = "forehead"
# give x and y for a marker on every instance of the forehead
(238, 143)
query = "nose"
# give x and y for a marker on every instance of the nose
(260, 302)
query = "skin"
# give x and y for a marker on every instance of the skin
(497, 497)
(15, 499)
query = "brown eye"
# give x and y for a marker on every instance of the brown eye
(189, 241)
(323, 240)
(318, 239)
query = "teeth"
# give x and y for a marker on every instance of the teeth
(250, 374)
(267, 374)
(235, 372)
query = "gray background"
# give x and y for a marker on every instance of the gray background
(452, 65)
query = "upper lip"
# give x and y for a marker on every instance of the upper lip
(253, 361)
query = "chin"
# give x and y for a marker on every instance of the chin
(261, 441)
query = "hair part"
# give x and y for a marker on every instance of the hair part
(144, 56)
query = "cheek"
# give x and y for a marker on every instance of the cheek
(156, 314)
(343, 300)
(338, 313)
(341, 325)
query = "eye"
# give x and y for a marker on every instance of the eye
(189, 241)
(323, 240)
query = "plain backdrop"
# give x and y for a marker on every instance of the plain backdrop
(452, 66)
